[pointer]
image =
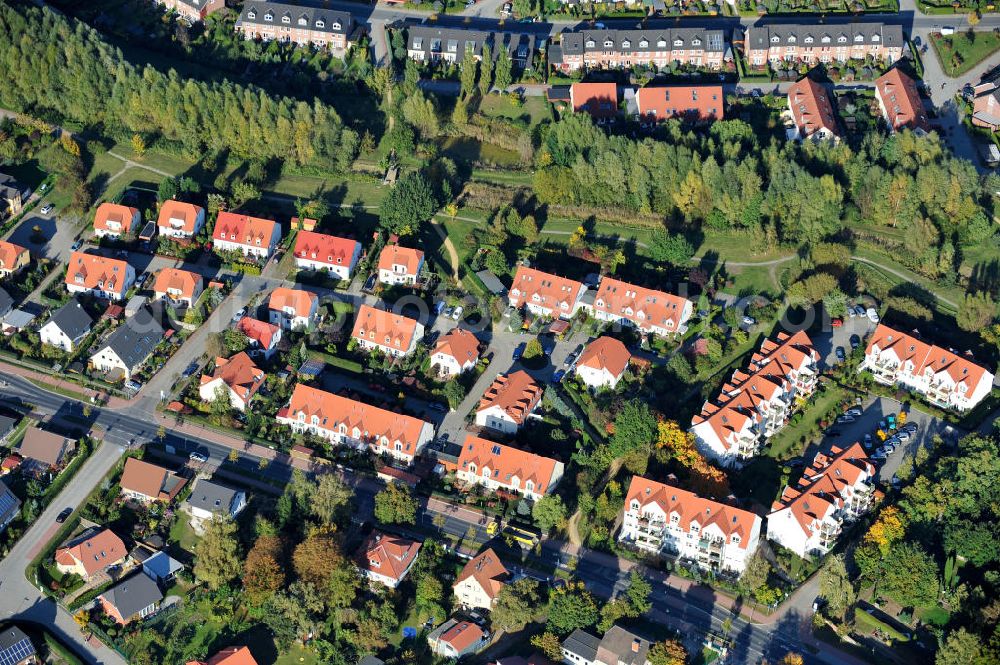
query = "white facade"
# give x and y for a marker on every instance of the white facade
(356, 438)
(497, 418)
(99, 291)
(288, 319)
(207, 392)
(175, 227)
(237, 506)
(53, 335)
(374, 345)
(106, 360)
(261, 251)
(341, 271)
(597, 378)
(448, 365)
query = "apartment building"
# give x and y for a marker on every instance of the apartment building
(939, 375)
(345, 421)
(899, 101)
(836, 489)
(545, 294)
(755, 403)
(481, 581)
(508, 402)
(810, 112)
(694, 103)
(392, 334)
(178, 219)
(193, 10)
(499, 467)
(103, 277)
(326, 253)
(432, 44)
(664, 519)
(648, 310)
(659, 48)
(250, 236)
(813, 43)
(297, 24)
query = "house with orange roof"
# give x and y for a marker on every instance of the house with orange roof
(326, 253)
(838, 487)
(899, 101)
(455, 352)
(148, 482)
(603, 363)
(392, 334)
(113, 220)
(344, 421)
(694, 103)
(263, 336)
(228, 656)
(756, 402)
(386, 559)
(938, 374)
(237, 377)
(545, 294)
(91, 552)
(647, 310)
(455, 639)
(179, 287)
(664, 519)
(399, 265)
(481, 581)
(508, 402)
(293, 309)
(810, 112)
(250, 236)
(13, 258)
(600, 100)
(178, 219)
(101, 276)
(499, 467)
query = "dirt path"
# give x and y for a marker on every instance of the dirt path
(450, 247)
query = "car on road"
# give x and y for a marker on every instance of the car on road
(491, 528)
(191, 369)
(76, 245)
(855, 341)
(519, 351)
(239, 315)
(63, 515)
(872, 315)
(47, 208)
(749, 321)
(198, 457)
(548, 344)
(457, 314)
(840, 354)
(558, 376)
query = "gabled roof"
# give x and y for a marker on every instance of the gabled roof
(134, 594)
(212, 497)
(506, 463)
(161, 565)
(545, 290)
(150, 480)
(516, 394)
(388, 555)
(239, 373)
(697, 102)
(301, 302)
(461, 634)
(924, 356)
(325, 248)
(460, 344)
(228, 656)
(177, 283)
(178, 215)
(72, 319)
(316, 19)
(378, 326)
(244, 229)
(811, 108)
(689, 507)
(488, 572)
(113, 212)
(10, 254)
(94, 550)
(394, 255)
(260, 332)
(901, 100)
(47, 448)
(598, 99)
(134, 340)
(605, 353)
(92, 270)
(9, 503)
(15, 646)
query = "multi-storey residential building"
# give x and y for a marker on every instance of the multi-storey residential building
(839, 487)
(193, 10)
(178, 219)
(938, 374)
(481, 581)
(386, 559)
(756, 403)
(293, 309)
(647, 310)
(399, 265)
(296, 24)
(813, 43)
(664, 519)
(115, 221)
(603, 363)
(508, 402)
(319, 251)
(615, 49)
(986, 105)
(250, 236)
(392, 334)
(263, 337)
(899, 101)
(600, 100)
(545, 294)
(13, 258)
(429, 43)
(103, 277)
(346, 422)
(696, 103)
(178, 286)
(810, 109)
(499, 467)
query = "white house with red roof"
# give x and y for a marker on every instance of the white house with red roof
(755, 403)
(262, 336)
(178, 219)
(646, 310)
(499, 467)
(326, 253)
(508, 402)
(457, 638)
(386, 559)
(603, 363)
(839, 487)
(545, 294)
(104, 277)
(113, 220)
(392, 334)
(237, 377)
(250, 236)
(455, 352)
(664, 519)
(293, 309)
(481, 581)
(399, 265)
(938, 374)
(344, 421)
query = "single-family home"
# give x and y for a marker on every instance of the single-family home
(899, 101)
(618, 647)
(147, 482)
(647, 310)
(326, 253)
(209, 499)
(545, 294)
(128, 347)
(399, 265)
(113, 220)
(263, 337)
(603, 363)
(90, 553)
(457, 638)
(10, 506)
(238, 377)
(692, 103)
(13, 258)
(480, 581)
(838, 487)
(178, 219)
(810, 110)
(161, 567)
(44, 451)
(105, 278)
(249, 236)
(67, 327)
(344, 421)
(228, 656)
(985, 105)
(293, 309)
(16, 647)
(600, 100)
(134, 598)
(193, 10)
(392, 334)
(496, 466)
(508, 402)
(178, 287)
(938, 374)
(455, 352)
(664, 519)
(386, 559)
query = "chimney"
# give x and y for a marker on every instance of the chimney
(635, 645)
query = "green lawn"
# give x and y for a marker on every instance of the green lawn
(298, 655)
(786, 442)
(534, 109)
(964, 50)
(182, 533)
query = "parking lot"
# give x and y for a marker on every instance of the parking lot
(826, 343)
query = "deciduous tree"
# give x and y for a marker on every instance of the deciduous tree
(516, 605)
(668, 652)
(572, 607)
(217, 554)
(549, 512)
(395, 505)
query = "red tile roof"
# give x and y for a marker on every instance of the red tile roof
(811, 108)
(901, 101)
(506, 463)
(488, 572)
(301, 302)
(598, 99)
(605, 353)
(244, 229)
(259, 331)
(403, 256)
(173, 280)
(239, 373)
(388, 555)
(10, 254)
(378, 326)
(462, 635)
(325, 248)
(150, 480)
(544, 290)
(460, 344)
(178, 211)
(113, 212)
(228, 656)
(93, 270)
(924, 356)
(94, 553)
(643, 307)
(688, 102)
(516, 394)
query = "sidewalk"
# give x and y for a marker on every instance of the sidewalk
(62, 385)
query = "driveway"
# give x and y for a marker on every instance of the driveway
(59, 235)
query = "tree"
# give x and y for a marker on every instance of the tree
(467, 70)
(550, 646)
(429, 598)
(330, 497)
(217, 554)
(419, 111)
(572, 607)
(409, 203)
(889, 528)
(671, 248)
(138, 145)
(502, 77)
(460, 114)
(830, 253)
(962, 648)
(755, 573)
(524, 8)
(262, 571)
(243, 191)
(167, 189)
(976, 311)
(313, 558)
(549, 513)
(395, 505)
(633, 603)
(668, 652)
(835, 586)
(516, 605)
(486, 71)
(910, 576)
(635, 429)
(791, 659)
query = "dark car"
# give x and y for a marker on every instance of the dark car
(841, 355)
(191, 369)
(558, 376)
(519, 351)
(548, 345)
(64, 515)
(855, 341)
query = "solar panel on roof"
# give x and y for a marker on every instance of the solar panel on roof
(17, 652)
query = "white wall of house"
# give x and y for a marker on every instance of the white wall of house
(107, 360)
(471, 595)
(372, 345)
(496, 418)
(53, 335)
(341, 271)
(449, 366)
(261, 251)
(939, 388)
(593, 377)
(474, 476)
(176, 229)
(207, 392)
(395, 449)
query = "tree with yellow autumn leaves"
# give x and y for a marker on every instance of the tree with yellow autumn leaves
(889, 528)
(678, 443)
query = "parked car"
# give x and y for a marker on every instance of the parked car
(47, 208)
(909, 427)
(191, 369)
(457, 314)
(872, 315)
(854, 411)
(749, 321)
(903, 437)
(439, 307)
(837, 323)
(868, 441)
(548, 344)
(239, 315)
(851, 313)
(448, 312)
(198, 457)
(558, 376)
(77, 244)
(796, 463)
(63, 515)
(519, 351)
(859, 310)
(855, 341)
(845, 419)
(840, 354)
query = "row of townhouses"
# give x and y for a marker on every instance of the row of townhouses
(432, 44)
(811, 43)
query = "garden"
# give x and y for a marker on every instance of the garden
(963, 50)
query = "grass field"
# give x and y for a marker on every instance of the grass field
(534, 109)
(962, 51)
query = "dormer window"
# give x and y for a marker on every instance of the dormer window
(303, 21)
(774, 39)
(321, 24)
(661, 43)
(842, 39)
(678, 42)
(608, 43)
(643, 43)
(808, 40)
(269, 17)
(695, 42)
(859, 38)
(336, 25)
(792, 39)
(635, 506)
(825, 39)
(626, 44)
(286, 19)
(874, 38)
(590, 43)
(251, 14)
